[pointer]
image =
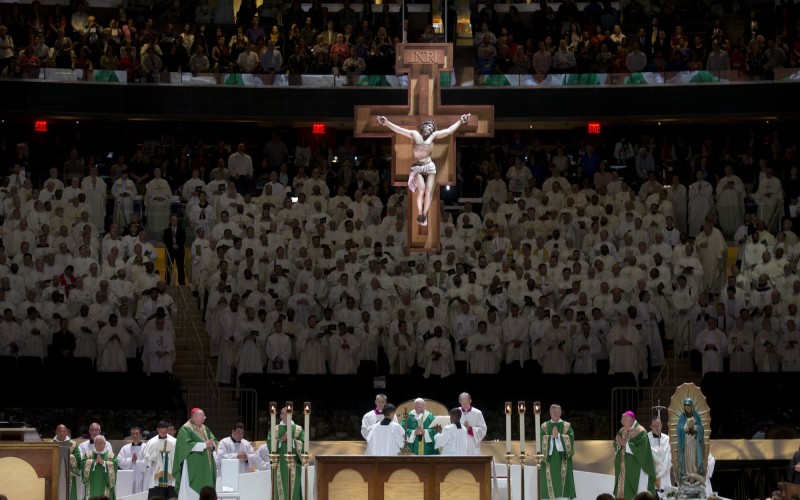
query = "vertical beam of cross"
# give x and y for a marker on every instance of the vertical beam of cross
(424, 63)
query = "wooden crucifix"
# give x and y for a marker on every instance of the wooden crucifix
(423, 62)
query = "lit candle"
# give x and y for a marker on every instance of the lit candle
(306, 423)
(289, 427)
(537, 412)
(273, 409)
(521, 410)
(508, 427)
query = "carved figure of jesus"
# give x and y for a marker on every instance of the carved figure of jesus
(422, 178)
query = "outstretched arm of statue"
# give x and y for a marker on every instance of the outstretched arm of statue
(452, 128)
(395, 128)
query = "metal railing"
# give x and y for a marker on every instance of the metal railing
(622, 400)
(663, 386)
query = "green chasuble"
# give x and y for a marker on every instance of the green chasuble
(628, 466)
(201, 468)
(282, 480)
(99, 479)
(555, 474)
(417, 444)
(73, 468)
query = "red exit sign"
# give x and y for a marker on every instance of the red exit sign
(318, 129)
(40, 126)
(593, 128)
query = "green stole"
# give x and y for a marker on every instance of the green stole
(555, 476)
(627, 466)
(418, 446)
(73, 471)
(201, 467)
(99, 480)
(282, 481)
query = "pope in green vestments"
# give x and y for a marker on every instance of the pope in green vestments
(282, 480)
(195, 447)
(99, 471)
(420, 443)
(634, 469)
(558, 447)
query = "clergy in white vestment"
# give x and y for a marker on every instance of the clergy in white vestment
(453, 440)
(437, 355)
(473, 421)
(712, 253)
(159, 346)
(586, 349)
(158, 196)
(251, 340)
(515, 338)
(10, 339)
(769, 197)
(713, 344)
(555, 348)
(662, 456)
(401, 350)
(374, 417)
(387, 438)
(312, 348)
(625, 345)
(767, 356)
(648, 313)
(112, 342)
(700, 200)
(789, 347)
(740, 346)
(228, 323)
(483, 351)
(159, 454)
(279, 350)
(237, 448)
(88, 445)
(131, 457)
(344, 346)
(95, 189)
(34, 334)
(123, 190)
(730, 202)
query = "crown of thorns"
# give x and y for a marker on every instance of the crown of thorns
(428, 123)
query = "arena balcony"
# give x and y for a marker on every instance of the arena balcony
(518, 99)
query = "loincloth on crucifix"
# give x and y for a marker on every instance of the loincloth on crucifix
(424, 169)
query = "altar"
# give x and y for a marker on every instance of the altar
(353, 477)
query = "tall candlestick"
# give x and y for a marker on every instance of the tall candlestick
(273, 410)
(537, 411)
(289, 427)
(306, 424)
(521, 410)
(508, 427)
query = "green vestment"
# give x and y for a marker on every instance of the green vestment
(282, 480)
(73, 468)
(555, 474)
(417, 444)
(99, 479)
(629, 466)
(201, 468)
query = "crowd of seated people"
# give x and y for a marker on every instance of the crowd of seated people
(263, 40)
(305, 270)
(594, 41)
(286, 39)
(72, 287)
